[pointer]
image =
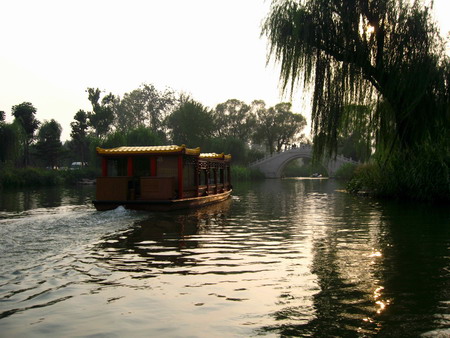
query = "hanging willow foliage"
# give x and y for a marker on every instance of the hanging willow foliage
(387, 52)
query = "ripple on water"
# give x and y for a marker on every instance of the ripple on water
(281, 258)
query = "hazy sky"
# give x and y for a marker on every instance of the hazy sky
(52, 50)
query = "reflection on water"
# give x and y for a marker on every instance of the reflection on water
(289, 258)
(161, 241)
(14, 201)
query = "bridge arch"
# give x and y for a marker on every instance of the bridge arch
(283, 165)
(272, 165)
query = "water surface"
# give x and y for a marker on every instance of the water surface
(281, 258)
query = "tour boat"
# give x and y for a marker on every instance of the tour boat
(160, 178)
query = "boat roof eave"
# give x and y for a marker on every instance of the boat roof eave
(148, 150)
(215, 156)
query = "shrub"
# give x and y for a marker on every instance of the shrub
(39, 177)
(346, 172)
(241, 173)
(421, 175)
(73, 176)
(32, 177)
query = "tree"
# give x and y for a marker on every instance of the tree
(158, 105)
(355, 134)
(11, 142)
(49, 146)
(143, 136)
(277, 126)
(144, 107)
(238, 148)
(191, 123)
(102, 116)
(24, 115)
(129, 112)
(79, 134)
(358, 52)
(140, 136)
(234, 118)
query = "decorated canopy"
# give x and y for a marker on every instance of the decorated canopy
(153, 150)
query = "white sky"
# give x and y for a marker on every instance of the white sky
(52, 50)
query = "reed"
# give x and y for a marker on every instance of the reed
(421, 176)
(40, 177)
(241, 173)
(346, 172)
(29, 177)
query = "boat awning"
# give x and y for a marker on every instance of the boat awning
(151, 150)
(215, 156)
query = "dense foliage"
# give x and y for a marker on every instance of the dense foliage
(145, 116)
(278, 126)
(49, 146)
(24, 114)
(387, 56)
(190, 124)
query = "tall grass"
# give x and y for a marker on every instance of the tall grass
(39, 177)
(241, 173)
(29, 177)
(423, 176)
(346, 172)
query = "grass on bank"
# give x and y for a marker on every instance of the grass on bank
(413, 179)
(242, 173)
(422, 178)
(40, 177)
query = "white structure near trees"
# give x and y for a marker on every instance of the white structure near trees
(272, 165)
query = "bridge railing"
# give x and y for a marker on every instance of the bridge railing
(347, 159)
(300, 147)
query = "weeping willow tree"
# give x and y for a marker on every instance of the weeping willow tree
(385, 54)
(358, 52)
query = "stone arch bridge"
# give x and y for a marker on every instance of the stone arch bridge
(272, 165)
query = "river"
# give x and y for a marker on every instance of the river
(293, 257)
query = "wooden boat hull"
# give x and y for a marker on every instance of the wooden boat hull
(163, 205)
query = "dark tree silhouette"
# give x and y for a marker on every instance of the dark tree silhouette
(234, 118)
(49, 146)
(102, 116)
(358, 52)
(191, 124)
(24, 114)
(144, 107)
(277, 126)
(79, 134)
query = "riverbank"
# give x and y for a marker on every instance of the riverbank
(40, 177)
(401, 181)
(242, 173)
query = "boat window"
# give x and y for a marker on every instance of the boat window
(225, 175)
(211, 176)
(141, 166)
(221, 176)
(117, 167)
(202, 177)
(189, 175)
(167, 166)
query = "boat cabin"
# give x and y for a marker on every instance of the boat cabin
(143, 177)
